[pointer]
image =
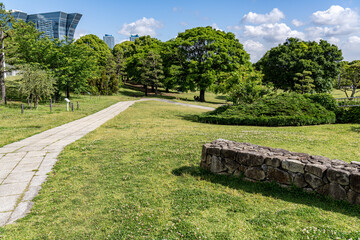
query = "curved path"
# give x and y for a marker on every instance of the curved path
(24, 165)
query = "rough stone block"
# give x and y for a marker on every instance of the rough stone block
(256, 159)
(228, 153)
(316, 169)
(338, 176)
(355, 182)
(313, 180)
(353, 197)
(279, 176)
(231, 165)
(273, 161)
(293, 166)
(216, 166)
(243, 158)
(334, 191)
(299, 180)
(255, 173)
(213, 151)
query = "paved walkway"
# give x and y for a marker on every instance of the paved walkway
(24, 165)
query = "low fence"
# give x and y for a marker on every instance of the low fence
(348, 102)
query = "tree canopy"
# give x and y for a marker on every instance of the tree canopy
(203, 54)
(282, 64)
(349, 80)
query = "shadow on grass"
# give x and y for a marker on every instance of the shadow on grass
(355, 129)
(292, 194)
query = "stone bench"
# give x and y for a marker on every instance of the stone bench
(334, 178)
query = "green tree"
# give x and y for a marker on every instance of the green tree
(36, 83)
(303, 82)
(243, 85)
(102, 54)
(281, 64)
(141, 49)
(73, 66)
(151, 71)
(205, 53)
(5, 24)
(122, 52)
(349, 80)
(27, 45)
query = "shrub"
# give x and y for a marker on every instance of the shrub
(348, 115)
(287, 109)
(324, 99)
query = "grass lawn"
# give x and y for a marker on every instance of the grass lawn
(340, 94)
(137, 177)
(212, 99)
(15, 126)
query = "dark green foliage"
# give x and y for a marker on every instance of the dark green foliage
(281, 64)
(204, 53)
(324, 99)
(281, 110)
(348, 115)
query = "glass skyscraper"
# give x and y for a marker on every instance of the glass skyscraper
(54, 24)
(109, 40)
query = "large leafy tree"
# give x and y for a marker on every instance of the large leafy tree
(282, 64)
(106, 65)
(206, 53)
(349, 80)
(151, 70)
(5, 24)
(141, 49)
(73, 65)
(122, 52)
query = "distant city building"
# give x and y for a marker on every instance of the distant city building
(54, 24)
(109, 40)
(134, 37)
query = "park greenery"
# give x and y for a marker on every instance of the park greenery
(137, 176)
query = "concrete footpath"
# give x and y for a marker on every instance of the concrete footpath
(24, 165)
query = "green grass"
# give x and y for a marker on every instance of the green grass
(137, 177)
(15, 126)
(340, 94)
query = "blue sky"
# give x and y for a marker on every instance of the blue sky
(258, 24)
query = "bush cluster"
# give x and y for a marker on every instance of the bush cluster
(287, 109)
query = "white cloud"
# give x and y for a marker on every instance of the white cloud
(331, 31)
(251, 45)
(354, 40)
(274, 16)
(255, 49)
(334, 40)
(215, 26)
(143, 27)
(277, 32)
(335, 15)
(297, 23)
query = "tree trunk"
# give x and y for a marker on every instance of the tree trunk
(167, 89)
(67, 91)
(152, 88)
(156, 90)
(146, 90)
(202, 95)
(2, 66)
(37, 102)
(353, 91)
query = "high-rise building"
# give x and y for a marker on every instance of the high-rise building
(109, 40)
(54, 24)
(134, 37)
